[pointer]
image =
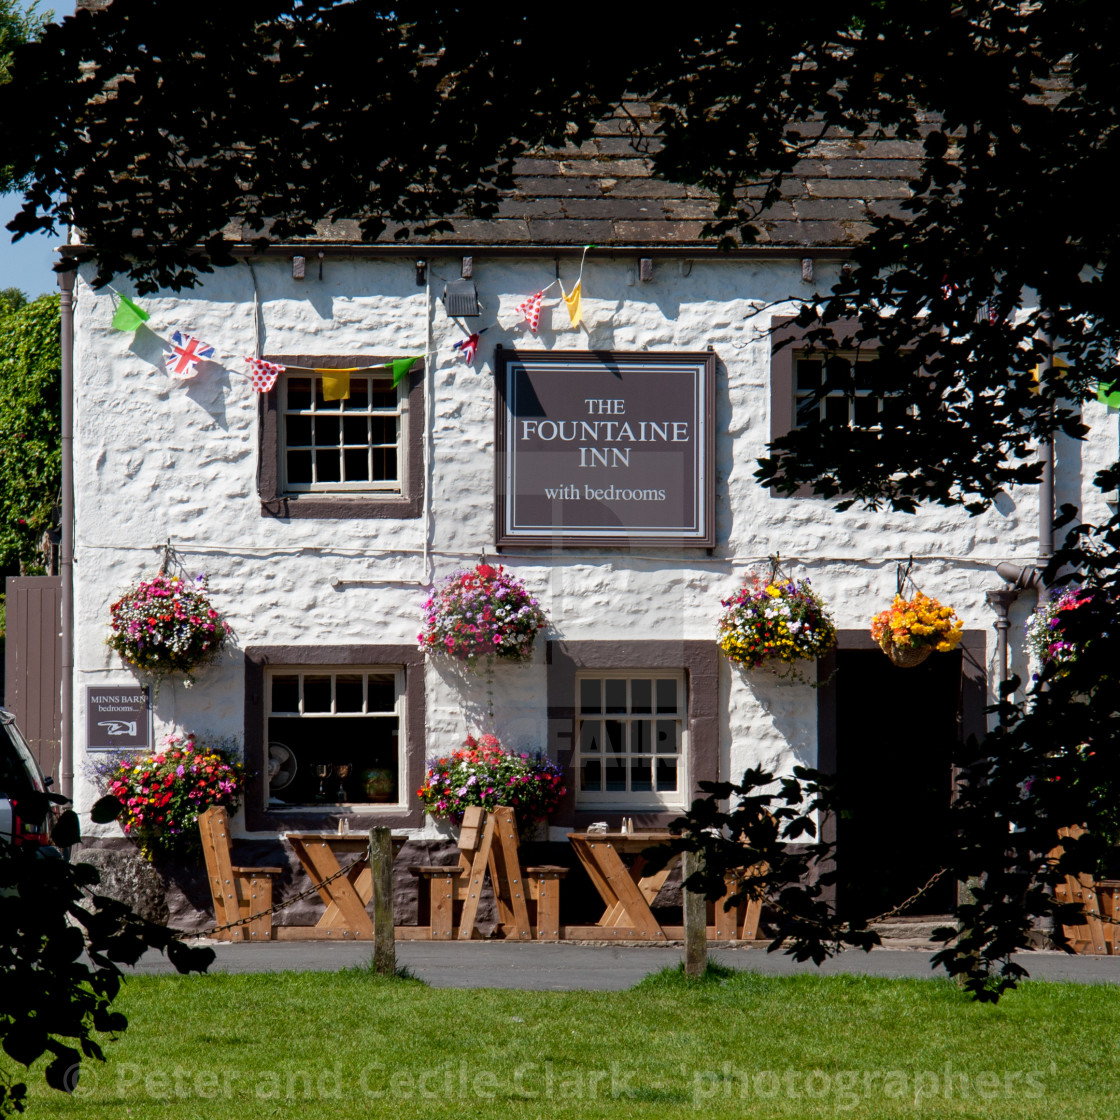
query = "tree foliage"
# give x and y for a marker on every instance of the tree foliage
(61, 950)
(164, 140)
(30, 430)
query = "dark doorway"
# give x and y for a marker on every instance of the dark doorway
(895, 729)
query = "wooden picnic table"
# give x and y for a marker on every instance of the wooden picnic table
(347, 896)
(629, 892)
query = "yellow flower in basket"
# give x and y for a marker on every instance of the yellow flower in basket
(909, 631)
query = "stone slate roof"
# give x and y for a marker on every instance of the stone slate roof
(603, 191)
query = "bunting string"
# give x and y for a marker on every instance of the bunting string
(187, 352)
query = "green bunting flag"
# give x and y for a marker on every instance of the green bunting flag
(128, 316)
(401, 366)
(1109, 393)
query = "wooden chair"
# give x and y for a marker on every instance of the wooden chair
(237, 891)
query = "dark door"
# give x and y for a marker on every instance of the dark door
(895, 729)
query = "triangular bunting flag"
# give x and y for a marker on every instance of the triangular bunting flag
(1109, 393)
(401, 366)
(186, 352)
(336, 384)
(467, 347)
(262, 375)
(572, 299)
(531, 309)
(128, 316)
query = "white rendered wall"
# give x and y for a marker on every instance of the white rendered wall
(156, 458)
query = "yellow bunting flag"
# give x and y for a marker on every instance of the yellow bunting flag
(572, 299)
(336, 384)
(1036, 373)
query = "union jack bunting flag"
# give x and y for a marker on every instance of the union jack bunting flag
(468, 347)
(531, 309)
(262, 375)
(186, 352)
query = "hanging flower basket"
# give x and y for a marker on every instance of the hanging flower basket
(1048, 628)
(483, 773)
(163, 794)
(164, 625)
(779, 620)
(911, 629)
(482, 612)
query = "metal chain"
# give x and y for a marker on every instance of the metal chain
(181, 935)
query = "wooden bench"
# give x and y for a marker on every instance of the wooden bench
(237, 891)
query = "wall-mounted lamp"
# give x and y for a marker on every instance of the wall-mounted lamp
(421, 272)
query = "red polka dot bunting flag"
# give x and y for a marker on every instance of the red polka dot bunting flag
(262, 375)
(531, 309)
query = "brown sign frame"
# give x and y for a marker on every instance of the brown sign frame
(507, 534)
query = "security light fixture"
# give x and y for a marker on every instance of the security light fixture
(460, 297)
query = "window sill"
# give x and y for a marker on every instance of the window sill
(342, 507)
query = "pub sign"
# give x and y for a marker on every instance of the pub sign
(118, 719)
(603, 448)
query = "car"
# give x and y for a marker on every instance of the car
(19, 776)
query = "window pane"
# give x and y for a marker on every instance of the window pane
(640, 780)
(326, 431)
(328, 466)
(285, 694)
(614, 731)
(590, 732)
(808, 374)
(807, 411)
(836, 410)
(357, 464)
(616, 695)
(866, 412)
(667, 736)
(299, 466)
(348, 692)
(384, 429)
(385, 464)
(862, 374)
(666, 696)
(321, 404)
(355, 429)
(640, 741)
(359, 394)
(616, 775)
(382, 396)
(666, 772)
(591, 776)
(590, 696)
(299, 430)
(299, 392)
(382, 693)
(316, 694)
(641, 697)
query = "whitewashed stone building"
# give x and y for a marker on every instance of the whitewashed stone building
(323, 578)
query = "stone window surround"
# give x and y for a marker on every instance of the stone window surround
(257, 659)
(700, 662)
(408, 503)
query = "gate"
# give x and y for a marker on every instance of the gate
(33, 665)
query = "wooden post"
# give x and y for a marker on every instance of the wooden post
(695, 922)
(381, 868)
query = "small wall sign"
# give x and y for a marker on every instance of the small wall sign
(118, 719)
(602, 448)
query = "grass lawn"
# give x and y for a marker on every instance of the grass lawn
(349, 1044)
